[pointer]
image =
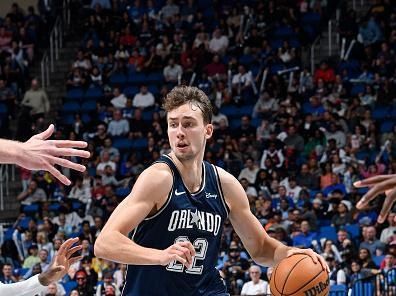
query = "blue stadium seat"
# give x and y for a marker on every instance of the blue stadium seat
(338, 290)
(361, 288)
(74, 94)
(88, 106)
(140, 143)
(68, 119)
(246, 110)
(118, 79)
(311, 19)
(284, 32)
(147, 115)
(3, 109)
(353, 230)
(93, 93)
(387, 126)
(246, 59)
(131, 91)
(122, 192)
(54, 207)
(123, 143)
(71, 107)
(69, 286)
(380, 112)
(328, 232)
(23, 271)
(230, 111)
(378, 259)
(155, 77)
(31, 209)
(154, 89)
(358, 88)
(137, 79)
(24, 222)
(86, 118)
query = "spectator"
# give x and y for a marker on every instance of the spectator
(43, 263)
(256, 286)
(108, 287)
(7, 277)
(172, 72)
(37, 100)
(118, 126)
(219, 43)
(143, 99)
(388, 233)
(32, 195)
(371, 242)
(343, 216)
(305, 238)
(119, 100)
(249, 172)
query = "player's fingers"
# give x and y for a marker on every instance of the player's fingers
(323, 262)
(74, 259)
(184, 252)
(179, 259)
(45, 134)
(373, 180)
(372, 193)
(387, 206)
(69, 144)
(67, 244)
(68, 164)
(57, 174)
(70, 152)
(189, 246)
(72, 251)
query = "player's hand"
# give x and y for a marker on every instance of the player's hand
(378, 185)
(315, 257)
(39, 153)
(182, 252)
(61, 262)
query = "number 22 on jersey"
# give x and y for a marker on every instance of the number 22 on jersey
(201, 246)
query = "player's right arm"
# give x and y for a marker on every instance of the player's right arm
(149, 194)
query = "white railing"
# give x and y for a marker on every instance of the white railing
(4, 184)
(313, 53)
(56, 36)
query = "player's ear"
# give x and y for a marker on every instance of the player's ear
(208, 130)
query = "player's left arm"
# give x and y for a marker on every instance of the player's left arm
(262, 248)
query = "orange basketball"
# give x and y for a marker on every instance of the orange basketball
(297, 275)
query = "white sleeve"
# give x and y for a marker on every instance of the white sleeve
(29, 287)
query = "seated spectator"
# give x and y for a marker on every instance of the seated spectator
(216, 69)
(36, 98)
(33, 257)
(343, 215)
(305, 237)
(118, 126)
(108, 287)
(337, 274)
(83, 287)
(249, 172)
(366, 259)
(44, 263)
(371, 242)
(119, 99)
(388, 233)
(108, 177)
(274, 154)
(32, 195)
(113, 152)
(242, 80)
(54, 289)
(325, 72)
(172, 72)
(266, 106)
(80, 192)
(143, 99)
(7, 277)
(105, 161)
(256, 286)
(219, 43)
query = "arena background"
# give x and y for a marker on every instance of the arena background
(304, 99)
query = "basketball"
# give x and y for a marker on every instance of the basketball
(298, 275)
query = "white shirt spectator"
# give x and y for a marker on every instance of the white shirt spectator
(219, 43)
(251, 288)
(249, 174)
(119, 101)
(245, 79)
(118, 127)
(143, 100)
(172, 72)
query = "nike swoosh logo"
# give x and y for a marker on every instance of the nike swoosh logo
(179, 193)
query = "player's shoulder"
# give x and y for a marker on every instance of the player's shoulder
(225, 177)
(158, 174)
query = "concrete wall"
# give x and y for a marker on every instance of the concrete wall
(5, 5)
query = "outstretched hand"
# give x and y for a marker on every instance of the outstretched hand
(39, 153)
(61, 262)
(378, 185)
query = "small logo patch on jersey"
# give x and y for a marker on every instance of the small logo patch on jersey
(211, 195)
(177, 193)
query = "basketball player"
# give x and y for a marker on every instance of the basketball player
(177, 209)
(378, 185)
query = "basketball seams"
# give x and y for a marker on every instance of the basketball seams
(284, 284)
(318, 274)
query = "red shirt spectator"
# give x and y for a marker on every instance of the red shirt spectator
(324, 72)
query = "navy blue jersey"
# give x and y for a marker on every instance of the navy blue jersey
(197, 217)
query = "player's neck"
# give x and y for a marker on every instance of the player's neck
(191, 172)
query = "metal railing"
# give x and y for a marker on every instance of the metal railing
(3, 184)
(62, 24)
(313, 53)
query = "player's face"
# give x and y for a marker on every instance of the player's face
(187, 131)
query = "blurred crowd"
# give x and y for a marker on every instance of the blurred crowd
(296, 141)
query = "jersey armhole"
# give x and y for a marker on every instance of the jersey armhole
(161, 209)
(220, 189)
